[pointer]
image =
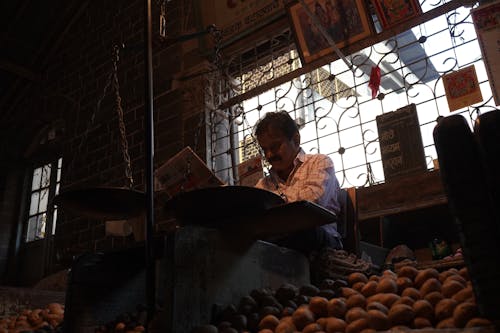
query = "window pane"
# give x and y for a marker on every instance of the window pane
(41, 223)
(37, 175)
(35, 196)
(46, 176)
(30, 232)
(44, 199)
(54, 222)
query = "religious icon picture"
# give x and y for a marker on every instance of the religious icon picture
(345, 22)
(392, 12)
(462, 88)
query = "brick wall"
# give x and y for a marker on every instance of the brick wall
(78, 74)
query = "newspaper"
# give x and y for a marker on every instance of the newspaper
(183, 172)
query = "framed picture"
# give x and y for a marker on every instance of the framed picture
(346, 21)
(462, 88)
(392, 12)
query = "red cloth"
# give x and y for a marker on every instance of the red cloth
(374, 83)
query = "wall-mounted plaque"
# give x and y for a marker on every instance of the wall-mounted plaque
(400, 141)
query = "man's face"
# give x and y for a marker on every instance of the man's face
(278, 149)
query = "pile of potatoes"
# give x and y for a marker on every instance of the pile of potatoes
(408, 299)
(128, 322)
(44, 320)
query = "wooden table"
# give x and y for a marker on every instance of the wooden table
(402, 196)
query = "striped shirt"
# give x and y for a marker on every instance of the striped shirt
(312, 178)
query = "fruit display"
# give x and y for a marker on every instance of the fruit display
(398, 301)
(34, 320)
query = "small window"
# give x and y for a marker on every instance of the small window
(44, 186)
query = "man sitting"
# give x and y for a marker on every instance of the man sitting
(295, 175)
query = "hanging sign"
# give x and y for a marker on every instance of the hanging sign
(237, 18)
(462, 88)
(487, 23)
(400, 141)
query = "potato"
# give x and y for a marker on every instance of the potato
(478, 322)
(463, 295)
(358, 286)
(378, 320)
(403, 282)
(336, 308)
(334, 325)
(319, 306)
(424, 275)
(356, 277)
(312, 328)
(355, 314)
(357, 326)
(423, 308)
(463, 313)
(464, 272)
(434, 297)
(368, 330)
(456, 277)
(429, 286)
(387, 285)
(347, 292)
(405, 300)
(389, 273)
(285, 327)
(408, 271)
(445, 323)
(451, 287)
(266, 330)
(411, 292)
(55, 308)
(400, 328)
(357, 300)
(322, 322)
(374, 277)
(369, 289)
(444, 275)
(421, 322)
(377, 306)
(302, 317)
(269, 322)
(386, 299)
(444, 308)
(401, 314)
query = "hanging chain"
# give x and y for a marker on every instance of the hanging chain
(119, 111)
(163, 18)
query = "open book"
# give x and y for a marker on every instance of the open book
(183, 172)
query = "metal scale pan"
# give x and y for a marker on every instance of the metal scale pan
(246, 211)
(107, 203)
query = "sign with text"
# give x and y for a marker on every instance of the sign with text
(237, 18)
(401, 142)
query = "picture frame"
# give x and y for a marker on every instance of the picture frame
(391, 13)
(347, 21)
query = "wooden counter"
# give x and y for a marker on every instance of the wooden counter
(404, 194)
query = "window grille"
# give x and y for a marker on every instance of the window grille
(333, 104)
(44, 186)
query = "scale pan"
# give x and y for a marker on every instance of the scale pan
(106, 203)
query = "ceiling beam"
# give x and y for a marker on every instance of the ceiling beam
(19, 70)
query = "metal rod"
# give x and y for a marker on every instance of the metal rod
(149, 158)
